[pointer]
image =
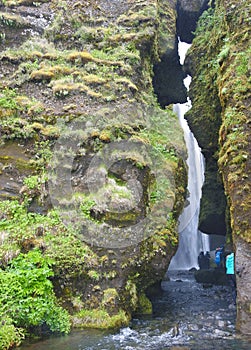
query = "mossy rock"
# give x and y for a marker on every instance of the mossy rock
(99, 319)
(144, 306)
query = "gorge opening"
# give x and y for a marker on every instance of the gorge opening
(191, 239)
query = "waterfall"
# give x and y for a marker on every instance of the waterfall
(191, 240)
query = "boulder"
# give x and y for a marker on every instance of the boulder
(212, 276)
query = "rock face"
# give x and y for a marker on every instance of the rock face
(219, 62)
(14, 167)
(188, 15)
(88, 151)
(168, 74)
(77, 94)
(213, 206)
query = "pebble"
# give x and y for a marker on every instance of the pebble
(221, 333)
(193, 327)
(221, 323)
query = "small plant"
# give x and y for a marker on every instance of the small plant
(94, 275)
(10, 336)
(43, 153)
(86, 207)
(32, 182)
(11, 20)
(224, 52)
(27, 298)
(7, 98)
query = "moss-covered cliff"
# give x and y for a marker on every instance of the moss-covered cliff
(92, 174)
(219, 62)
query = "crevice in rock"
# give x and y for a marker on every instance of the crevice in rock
(169, 88)
(213, 202)
(188, 13)
(168, 79)
(168, 73)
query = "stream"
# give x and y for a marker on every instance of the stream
(186, 316)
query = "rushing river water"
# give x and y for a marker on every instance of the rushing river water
(187, 316)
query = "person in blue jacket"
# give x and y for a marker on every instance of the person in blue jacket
(230, 271)
(219, 257)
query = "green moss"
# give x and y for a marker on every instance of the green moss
(11, 20)
(144, 305)
(42, 74)
(131, 290)
(210, 41)
(166, 28)
(221, 54)
(19, 163)
(62, 246)
(101, 70)
(99, 318)
(93, 274)
(110, 298)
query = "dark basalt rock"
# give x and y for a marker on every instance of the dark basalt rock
(188, 15)
(212, 276)
(168, 80)
(212, 219)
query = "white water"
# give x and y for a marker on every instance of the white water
(191, 240)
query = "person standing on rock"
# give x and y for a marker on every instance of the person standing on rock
(219, 261)
(200, 260)
(231, 275)
(207, 260)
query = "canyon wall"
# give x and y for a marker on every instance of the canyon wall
(219, 62)
(93, 171)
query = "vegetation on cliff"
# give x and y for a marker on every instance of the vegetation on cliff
(220, 64)
(223, 72)
(205, 116)
(82, 75)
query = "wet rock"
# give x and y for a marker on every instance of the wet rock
(243, 269)
(166, 278)
(207, 285)
(193, 269)
(221, 324)
(14, 168)
(168, 80)
(221, 333)
(212, 218)
(193, 327)
(212, 276)
(232, 307)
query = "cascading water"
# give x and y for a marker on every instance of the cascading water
(191, 240)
